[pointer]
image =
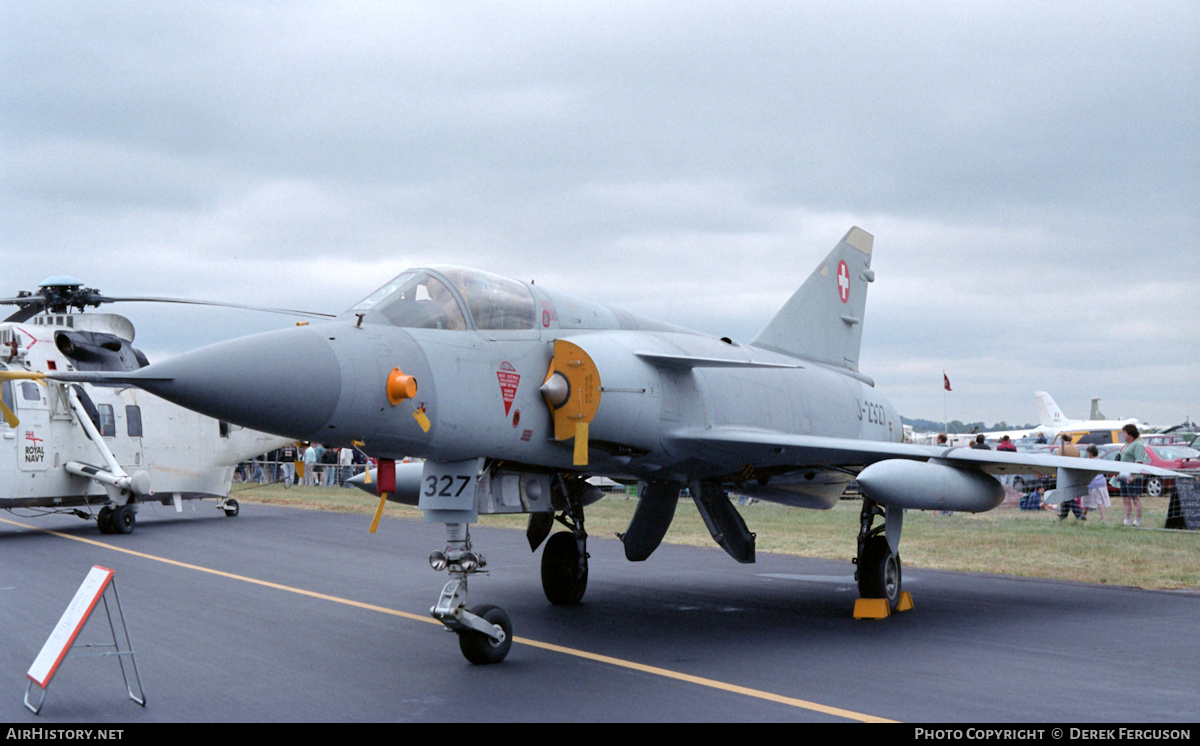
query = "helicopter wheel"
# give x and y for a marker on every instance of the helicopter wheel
(104, 521)
(123, 520)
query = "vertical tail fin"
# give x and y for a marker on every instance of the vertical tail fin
(822, 321)
(1048, 412)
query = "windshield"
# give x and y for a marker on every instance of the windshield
(1175, 453)
(422, 299)
(416, 300)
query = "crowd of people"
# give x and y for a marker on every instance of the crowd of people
(309, 464)
(1097, 497)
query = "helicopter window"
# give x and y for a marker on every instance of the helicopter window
(108, 422)
(29, 391)
(495, 302)
(416, 300)
(133, 420)
(6, 395)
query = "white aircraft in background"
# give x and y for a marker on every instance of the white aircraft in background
(1096, 429)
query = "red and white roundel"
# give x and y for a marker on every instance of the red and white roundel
(843, 281)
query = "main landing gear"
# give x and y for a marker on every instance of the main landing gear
(565, 558)
(879, 569)
(117, 520)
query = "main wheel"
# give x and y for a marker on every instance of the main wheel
(564, 577)
(478, 647)
(879, 573)
(231, 508)
(124, 519)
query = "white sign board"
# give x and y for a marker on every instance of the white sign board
(68, 626)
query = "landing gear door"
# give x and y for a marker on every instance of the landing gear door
(34, 446)
(449, 491)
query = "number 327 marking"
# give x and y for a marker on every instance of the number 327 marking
(447, 484)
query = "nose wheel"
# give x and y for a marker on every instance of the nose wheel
(483, 649)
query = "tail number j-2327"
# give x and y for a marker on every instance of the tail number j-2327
(873, 413)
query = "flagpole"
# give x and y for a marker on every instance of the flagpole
(946, 403)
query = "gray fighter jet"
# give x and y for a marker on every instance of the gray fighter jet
(513, 395)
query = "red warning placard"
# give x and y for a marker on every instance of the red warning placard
(509, 379)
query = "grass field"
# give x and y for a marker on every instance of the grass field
(1005, 540)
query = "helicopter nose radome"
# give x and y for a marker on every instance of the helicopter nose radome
(286, 382)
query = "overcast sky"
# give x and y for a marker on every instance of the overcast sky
(1030, 171)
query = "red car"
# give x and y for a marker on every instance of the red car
(1174, 457)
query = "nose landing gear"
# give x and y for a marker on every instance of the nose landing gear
(484, 632)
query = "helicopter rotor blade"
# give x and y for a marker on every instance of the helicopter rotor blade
(242, 306)
(26, 312)
(9, 416)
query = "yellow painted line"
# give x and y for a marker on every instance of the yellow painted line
(618, 662)
(232, 576)
(710, 683)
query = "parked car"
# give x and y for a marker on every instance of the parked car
(1175, 457)
(1168, 439)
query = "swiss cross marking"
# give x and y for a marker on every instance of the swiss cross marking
(843, 281)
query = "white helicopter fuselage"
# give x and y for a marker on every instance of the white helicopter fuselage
(47, 458)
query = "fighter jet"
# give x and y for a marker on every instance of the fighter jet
(513, 395)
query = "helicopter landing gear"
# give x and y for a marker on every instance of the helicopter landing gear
(119, 520)
(484, 632)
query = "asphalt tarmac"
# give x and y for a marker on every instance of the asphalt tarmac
(286, 615)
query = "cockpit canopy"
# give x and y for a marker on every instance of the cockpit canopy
(450, 298)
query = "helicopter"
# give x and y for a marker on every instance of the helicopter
(100, 451)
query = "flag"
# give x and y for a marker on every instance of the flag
(947, 379)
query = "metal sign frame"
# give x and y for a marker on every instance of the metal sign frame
(96, 588)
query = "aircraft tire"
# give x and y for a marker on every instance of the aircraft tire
(124, 519)
(480, 649)
(879, 572)
(231, 508)
(104, 521)
(563, 581)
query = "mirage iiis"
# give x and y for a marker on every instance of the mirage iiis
(514, 395)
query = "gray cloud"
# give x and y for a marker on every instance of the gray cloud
(1030, 172)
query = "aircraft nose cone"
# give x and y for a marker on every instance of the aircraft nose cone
(285, 382)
